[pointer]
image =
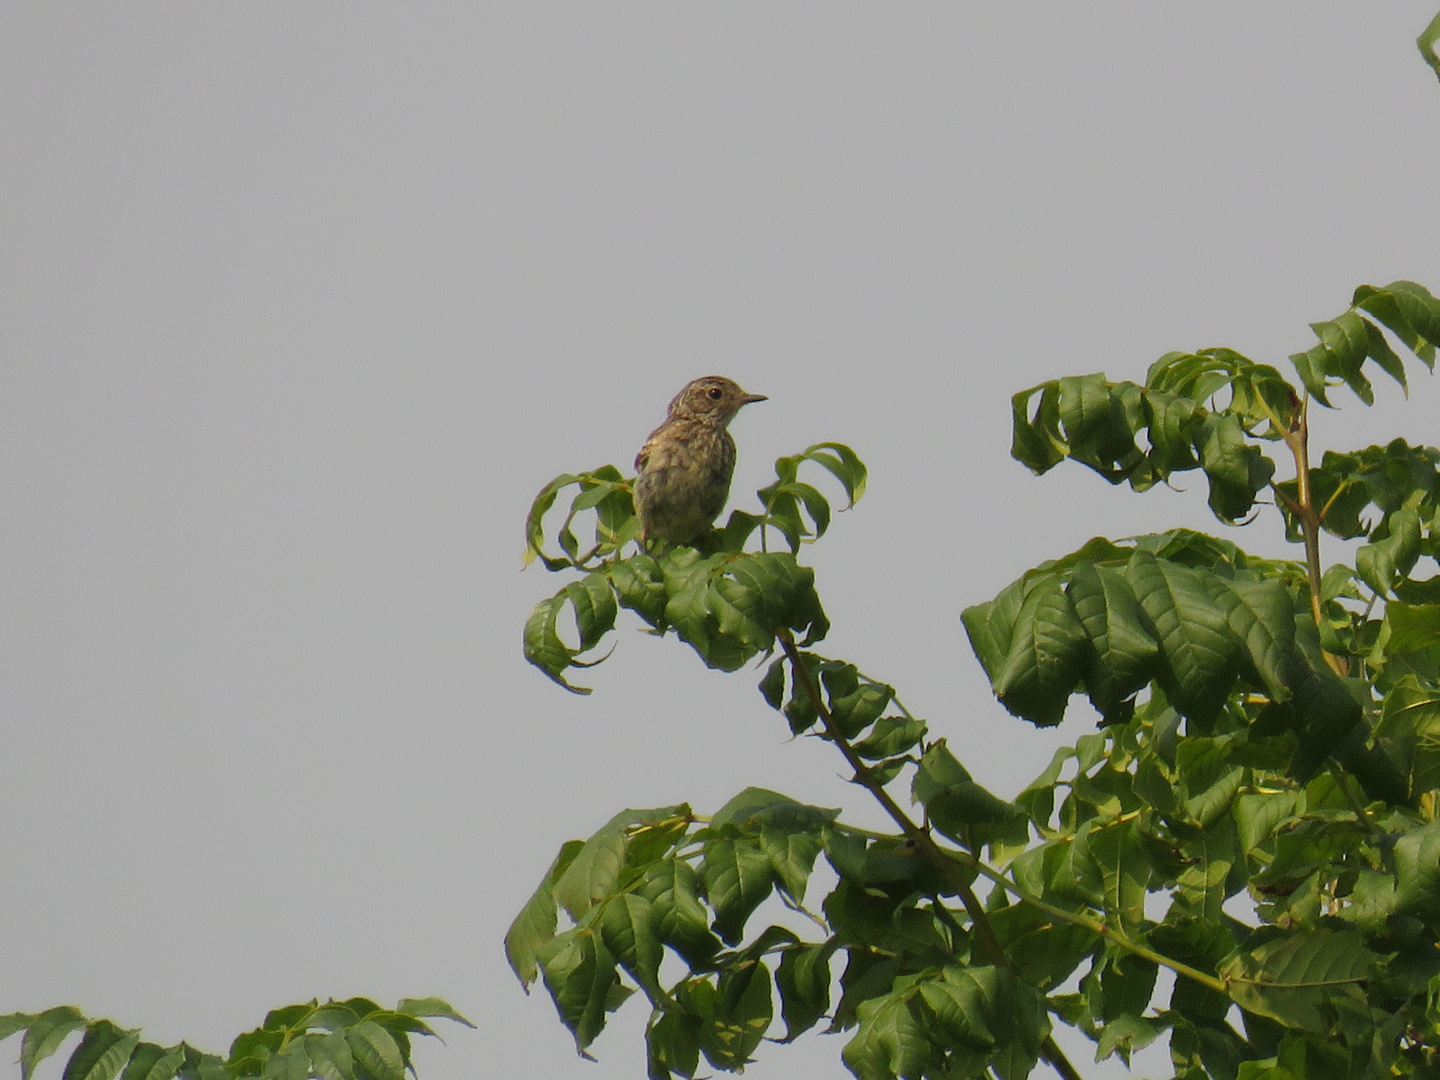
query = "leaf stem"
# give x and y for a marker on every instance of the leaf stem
(1338, 775)
(1097, 926)
(953, 873)
(1297, 438)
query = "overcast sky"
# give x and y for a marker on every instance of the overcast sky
(301, 304)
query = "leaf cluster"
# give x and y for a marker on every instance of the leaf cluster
(1257, 812)
(1144, 434)
(354, 1039)
(722, 600)
(660, 879)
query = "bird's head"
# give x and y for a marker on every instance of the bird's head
(713, 398)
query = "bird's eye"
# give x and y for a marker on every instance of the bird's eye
(714, 393)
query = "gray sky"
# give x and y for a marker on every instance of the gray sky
(302, 303)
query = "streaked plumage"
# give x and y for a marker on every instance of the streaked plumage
(684, 468)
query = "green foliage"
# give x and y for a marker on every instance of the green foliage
(1426, 42)
(723, 601)
(339, 1040)
(1255, 811)
(1098, 423)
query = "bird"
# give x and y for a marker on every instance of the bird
(683, 471)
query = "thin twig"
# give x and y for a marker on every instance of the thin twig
(1338, 775)
(1097, 927)
(1298, 440)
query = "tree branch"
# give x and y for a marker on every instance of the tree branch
(948, 867)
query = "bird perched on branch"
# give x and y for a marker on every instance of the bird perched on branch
(685, 466)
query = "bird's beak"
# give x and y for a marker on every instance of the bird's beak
(753, 397)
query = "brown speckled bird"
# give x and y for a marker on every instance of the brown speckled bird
(685, 466)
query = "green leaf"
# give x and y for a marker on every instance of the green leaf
(289, 1018)
(962, 1018)
(755, 595)
(45, 1034)
(728, 607)
(1123, 654)
(579, 972)
(1042, 951)
(151, 1062)
(890, 736)
(1212, 787)
(1126, 1034)
(627, 929)
(738, 876)
(1257, 816)
(1261, 615)
(1209, 865)
(534, 523)
(334, 1015)
(845, 851)
(960, 808)
(1194, 376)
(1037, 442)
(1407, 310)
(542, 644)
(1411, 627)
(1046, 656)
(1038, 798)
(603, 491)
(1236, 469)
(672, 1044)
(653, 834)
(13, 1022)
(1173, 423)
(594, 602)
(784, 498)
(679, 918)
(1371, 902)
(434, 1006)
(1409, 732)
(792, 857)
(532, 928)
(958, 1003)
(1330, 712)
(592, 872)
(772, 686)
(1382, 562)
(804, 983)
(102, 1053)
(991, 626)
(1379, 350)
(742, 1014)
(640, 587)
(376, 1051)
(1200, 650)
(1292, 978)
(1096, 428)
(1126, 983)
(891, 1042)
(1417, 873)
(864, 911)
(1069, 871)
(330, 1057)
(1346, 348)
(757, 807)
(843, 464)
(939, 771)
(1124, 871)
